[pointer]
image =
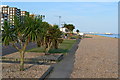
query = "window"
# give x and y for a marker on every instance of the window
(1, 19)
(5, 14)
(6, 8)
(11, 16)
(10, 9)
(5, 11)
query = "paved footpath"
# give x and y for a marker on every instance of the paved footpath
(63, 69)
(96, 57)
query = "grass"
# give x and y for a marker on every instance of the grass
(74, 36)
(87, 37)
(63, 47)
(38, 49)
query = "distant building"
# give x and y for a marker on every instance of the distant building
(23, 14)
(13, 11)
(8, 13)
(4, 12)
(108, 33)
(32, 15)
(65, 30)
(81, 34)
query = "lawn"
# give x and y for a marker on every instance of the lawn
(87, 37)
(63, 47)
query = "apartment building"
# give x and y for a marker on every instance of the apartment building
(13, 11)
(32, 15)
(23, 14)
(4, 14)
(8, 13)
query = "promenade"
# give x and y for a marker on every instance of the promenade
(96, 57)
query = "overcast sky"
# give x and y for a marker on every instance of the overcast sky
(86, 16)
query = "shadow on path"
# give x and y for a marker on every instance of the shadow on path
(10, 49)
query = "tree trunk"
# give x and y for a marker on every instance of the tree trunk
(22, 61)
(56, 44)
(49, 45)
(22, 53)
(38, 44)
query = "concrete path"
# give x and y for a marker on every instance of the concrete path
(64, 68)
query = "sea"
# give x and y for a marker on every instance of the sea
(112, 35)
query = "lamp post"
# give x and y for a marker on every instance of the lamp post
(59, 20)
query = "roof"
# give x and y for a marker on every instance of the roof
(3, 5)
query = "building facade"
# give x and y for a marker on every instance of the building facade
(65, 30)
(13, 11)
(23, 15)
(4, 15)
(8, 13)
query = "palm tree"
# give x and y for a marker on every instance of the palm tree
(42, 36)
(7, 33)
(22, 33)
(56, 34)
(52, 38)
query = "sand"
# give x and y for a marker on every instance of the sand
(96, 57)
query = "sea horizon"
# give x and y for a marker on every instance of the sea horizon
(111, 35)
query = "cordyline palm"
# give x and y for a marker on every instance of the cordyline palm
(42, 35)
(55, 35)
(7, 33)
(21, 33)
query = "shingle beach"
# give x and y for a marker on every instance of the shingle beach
(96, 57)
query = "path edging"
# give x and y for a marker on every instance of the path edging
(46, 73)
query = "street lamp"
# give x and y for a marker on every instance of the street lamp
(59, 20)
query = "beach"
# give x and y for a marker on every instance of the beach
(96, 57)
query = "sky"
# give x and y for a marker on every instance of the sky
(59, 0)
(86, 16)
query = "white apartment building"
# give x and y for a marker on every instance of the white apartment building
(65, 30)
(7, 14)
(4, 11)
